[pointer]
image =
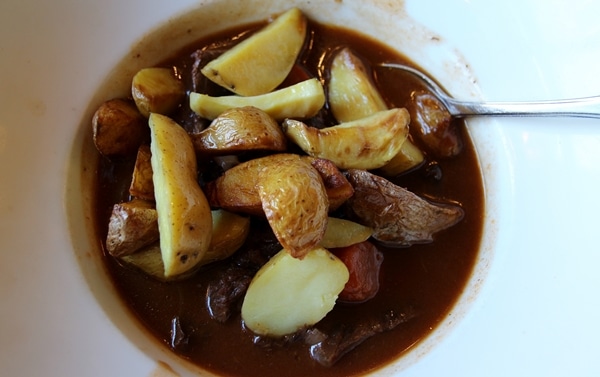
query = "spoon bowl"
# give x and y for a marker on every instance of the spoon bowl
(585, 107)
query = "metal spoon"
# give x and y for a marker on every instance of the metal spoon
(586, 107)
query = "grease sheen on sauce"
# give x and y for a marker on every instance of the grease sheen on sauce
(431, 276)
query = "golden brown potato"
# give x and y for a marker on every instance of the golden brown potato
(353, 95)
(240, 129)
(118, 128)
(366, 143)
(142, 186)
(351, 92)
(236, 189)
(132, 225)
(336, 185)
(157, 90)
(295, 203)
(260, 63)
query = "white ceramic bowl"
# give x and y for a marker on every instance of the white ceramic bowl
(531, 306)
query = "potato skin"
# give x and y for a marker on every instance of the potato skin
(238, 130)
(118, 128)
(295, 203)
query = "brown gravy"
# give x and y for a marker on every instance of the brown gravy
(431, 277)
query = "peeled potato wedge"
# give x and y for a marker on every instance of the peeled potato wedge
(342, 233)
(240, 129)
(295, 203)
(351, 92)
(366, 143)
(288, 294)
(301, 100)
(184, 218)
(260, 63)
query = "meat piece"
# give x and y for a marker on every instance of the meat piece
(363, 261)
(399, 217)
(345, 338)
(132, 225)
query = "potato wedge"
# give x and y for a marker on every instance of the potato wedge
(260, 63)
(118, 128)
(157, 90)
(288, 294)
(301, 100)
(229, 234)
(238, 130)
(353, 95)
(351, 92)
(141, 186)
(295, 203)
(336, 185)
(366, 143)
(132, 225)
(342, 233)
(184, 217)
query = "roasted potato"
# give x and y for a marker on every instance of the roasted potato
(351, 92)
(229, 233)
(353, 95)
(184, 217)
(132, 225)
(238, 130)
(260, 63)
(118, 128)
(301, 100)
(141, 186)
(288, 294)
(157, 90)
(366, 143)
(236, 190)
(398, 217)
(295, 203)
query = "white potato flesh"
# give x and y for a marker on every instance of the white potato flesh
(184, 217)
(366, 143)
(342, 233)
(260, 63)
(288, 294)
(302, 100)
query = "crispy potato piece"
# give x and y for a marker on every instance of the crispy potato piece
(288, 294)
(301, 100)
(236, 190)
(260, 63)
(157, 90)
(295, 203)
(132, 225)
(353, 95)
(351, 92)
(141, 186)
(337, 186)
(229, 234)
(366, 143)
(398, 216)
(118, 128)
(342, 233)
(240, 129)
(184, 217)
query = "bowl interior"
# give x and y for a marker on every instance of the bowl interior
(382, 20)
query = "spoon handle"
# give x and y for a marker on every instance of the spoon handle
(587, 107)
